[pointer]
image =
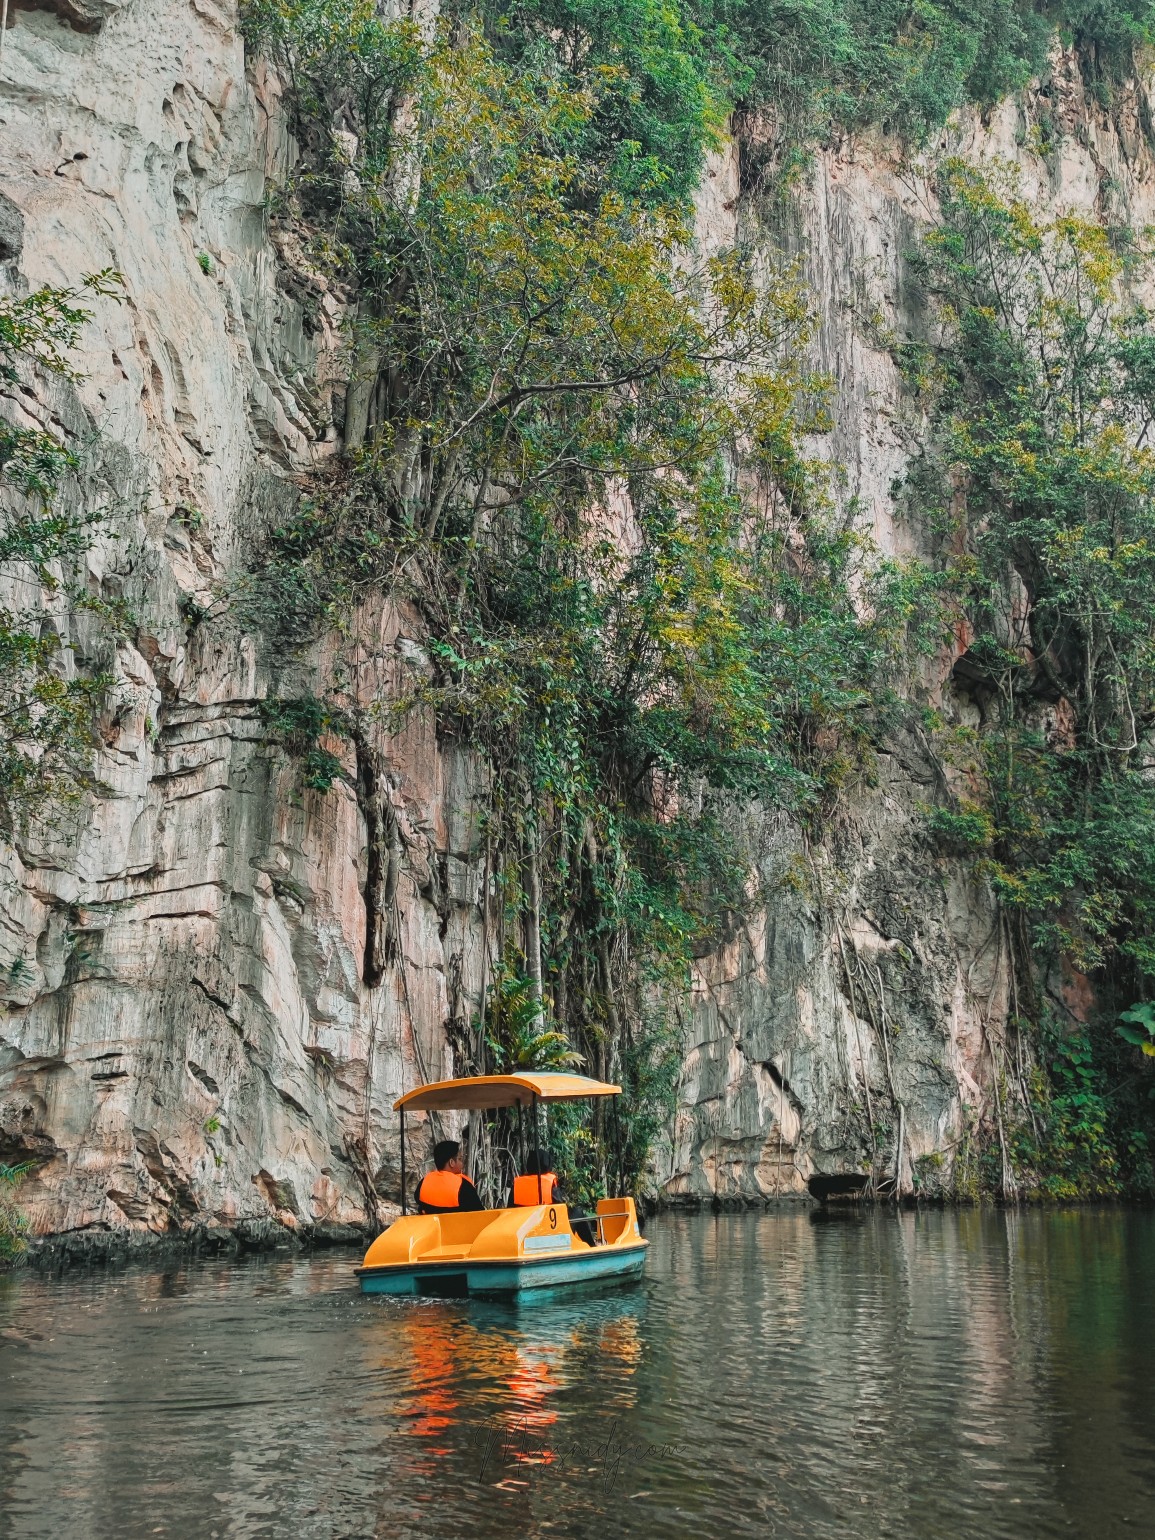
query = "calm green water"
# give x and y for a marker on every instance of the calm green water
(926, 1376)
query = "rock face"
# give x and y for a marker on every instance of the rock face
(875, 954)
(188, 1039)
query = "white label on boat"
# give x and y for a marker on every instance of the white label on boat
(548, 1242)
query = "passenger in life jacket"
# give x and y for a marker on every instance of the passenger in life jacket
(447, 1190)
(540, 1185)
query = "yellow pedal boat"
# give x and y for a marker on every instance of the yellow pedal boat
(505, 1251)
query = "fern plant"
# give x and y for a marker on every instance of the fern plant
(13, 1223)
(517, 1032)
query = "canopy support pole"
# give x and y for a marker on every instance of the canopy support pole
(404, 1204)
(536, 1147)
(618, 1149)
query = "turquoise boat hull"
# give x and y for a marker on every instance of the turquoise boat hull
(484, 1279)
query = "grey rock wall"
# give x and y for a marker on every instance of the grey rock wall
(186, 1039)
(780, 1048)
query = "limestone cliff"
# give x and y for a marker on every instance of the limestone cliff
(189, 1039)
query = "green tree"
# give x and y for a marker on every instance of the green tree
(661, 80)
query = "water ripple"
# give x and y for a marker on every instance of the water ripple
(923, 1377)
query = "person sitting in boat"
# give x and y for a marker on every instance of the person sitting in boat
(540, 1185)
(446, 1189)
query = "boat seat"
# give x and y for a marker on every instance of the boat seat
(614, 1217)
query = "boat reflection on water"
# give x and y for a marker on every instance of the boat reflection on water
(504, 1372)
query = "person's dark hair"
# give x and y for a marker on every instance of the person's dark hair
(444, 1151)
(539, 1161)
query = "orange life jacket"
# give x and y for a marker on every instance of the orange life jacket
(440, 1189)
(526, 1193)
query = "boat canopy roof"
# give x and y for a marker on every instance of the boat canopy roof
(503, 1091)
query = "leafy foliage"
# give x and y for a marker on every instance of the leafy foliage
(341, 53)
(661, 79)
(1138, 1028)
(819, 65)
(1070, 1152)
(516, 1035)
(13, 1223)
(299, 725)
(45, 707)
(1042, 400)
(801, 69)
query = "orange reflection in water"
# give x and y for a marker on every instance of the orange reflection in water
(458, 1373)
(621, 1340)
(538, 1373)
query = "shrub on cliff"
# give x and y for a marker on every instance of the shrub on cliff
(13, 1223)
(801, 69)
(46, 703)
(817, 66)
(664, 79)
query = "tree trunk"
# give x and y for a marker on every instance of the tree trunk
(360, 391)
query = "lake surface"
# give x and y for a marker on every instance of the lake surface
(935, 1376)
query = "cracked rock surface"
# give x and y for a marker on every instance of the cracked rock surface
(188, 1044)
